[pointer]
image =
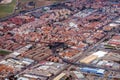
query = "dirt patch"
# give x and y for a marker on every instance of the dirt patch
(5, 1)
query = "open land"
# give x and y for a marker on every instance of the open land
(7, 9)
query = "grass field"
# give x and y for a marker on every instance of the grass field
(3, 52)
(7, 9)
